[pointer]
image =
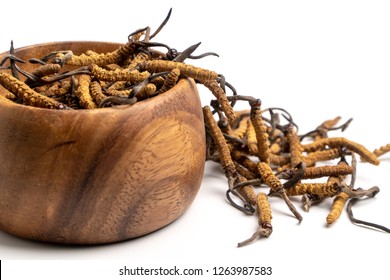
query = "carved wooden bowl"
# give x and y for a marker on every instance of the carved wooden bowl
(101, 175)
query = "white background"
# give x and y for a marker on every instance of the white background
(316, 59)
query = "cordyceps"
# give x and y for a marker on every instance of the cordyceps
(257, 148)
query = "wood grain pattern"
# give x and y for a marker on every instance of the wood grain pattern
(100, 175)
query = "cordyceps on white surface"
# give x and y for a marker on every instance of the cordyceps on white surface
(117, 146)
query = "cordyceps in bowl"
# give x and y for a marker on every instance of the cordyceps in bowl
(102, 142)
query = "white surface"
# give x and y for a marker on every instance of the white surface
(316, 59)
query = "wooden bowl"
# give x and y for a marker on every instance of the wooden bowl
(101, 175)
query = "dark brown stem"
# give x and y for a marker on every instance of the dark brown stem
(356, 221)
(260, 232)
(186, 53)
(247, 208)
(297, 175)
(248, 183)
(162, 24)
(292, 208)
(359, 193)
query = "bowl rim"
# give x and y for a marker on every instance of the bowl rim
(160, 97)
(5, 52)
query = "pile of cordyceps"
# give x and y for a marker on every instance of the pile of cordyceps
(253, 149)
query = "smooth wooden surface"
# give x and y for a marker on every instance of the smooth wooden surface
(102, 175)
